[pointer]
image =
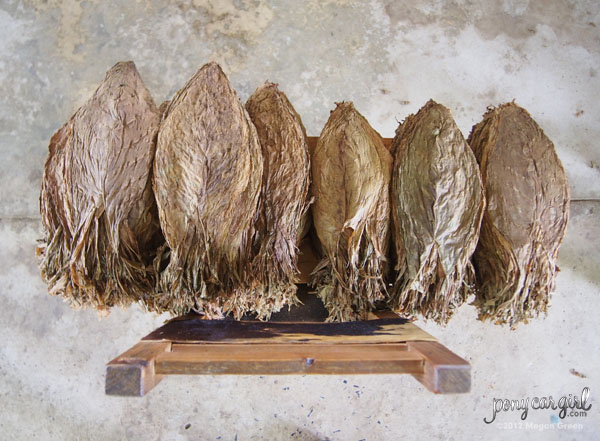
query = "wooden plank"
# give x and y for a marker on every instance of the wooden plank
(393, 330)
(285, 359)
(132, 373)
(444, 371)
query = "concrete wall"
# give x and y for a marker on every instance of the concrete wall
(388, 57)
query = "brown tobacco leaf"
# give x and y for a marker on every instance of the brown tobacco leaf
(437, 205)
(207, 177)
(526, 216)
(98, 210)
(351, 170)
(284, 203)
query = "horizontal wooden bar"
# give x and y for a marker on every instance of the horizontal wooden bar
(283, 359)
(260, 350)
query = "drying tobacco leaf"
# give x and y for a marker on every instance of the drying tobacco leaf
(351, 170)
(283, 207)
(437, 204)
(98, 210)
(526, 216)
(207, 178)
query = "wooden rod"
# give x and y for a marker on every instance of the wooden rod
(284, 359)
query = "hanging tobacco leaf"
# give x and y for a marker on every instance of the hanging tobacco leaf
(437, 204)
(351, 171)
(526, 216)
(283, 207)
(98, 210)
(207, 180)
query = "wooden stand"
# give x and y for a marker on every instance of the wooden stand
(189, 345)
(295, 341)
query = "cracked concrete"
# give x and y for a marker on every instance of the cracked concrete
(388, 57)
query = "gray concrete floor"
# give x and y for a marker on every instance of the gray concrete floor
(388, 57)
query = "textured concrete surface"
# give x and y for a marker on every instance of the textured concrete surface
(389, 57)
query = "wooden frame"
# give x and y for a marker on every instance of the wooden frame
(190, 345)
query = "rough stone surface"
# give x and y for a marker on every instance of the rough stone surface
(389, 58)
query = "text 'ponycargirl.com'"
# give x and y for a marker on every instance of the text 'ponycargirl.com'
(571, 405)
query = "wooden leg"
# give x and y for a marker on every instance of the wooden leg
(132, 373)
(444, 372)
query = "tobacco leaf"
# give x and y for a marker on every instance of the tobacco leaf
(284, 206)
(525, 219)
(437, 204)
(98, 211)
(207, 180)
(351, 170)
